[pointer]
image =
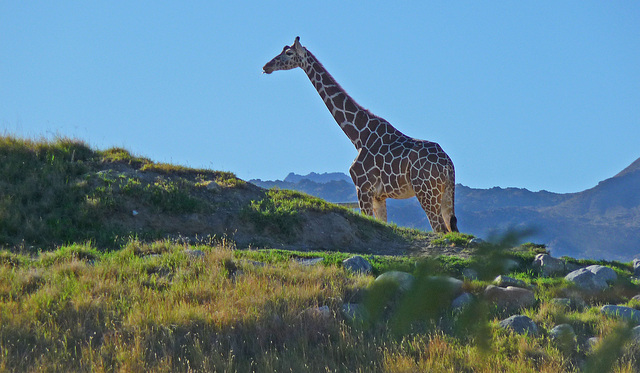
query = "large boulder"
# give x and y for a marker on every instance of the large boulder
(592, 278)
(357, 264)
(462, 301)
(519, 324)
(510, 298)
(548, 265)
(625, 313)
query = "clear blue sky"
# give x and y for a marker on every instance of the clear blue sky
(533, 94)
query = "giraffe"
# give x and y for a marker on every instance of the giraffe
(389, 164)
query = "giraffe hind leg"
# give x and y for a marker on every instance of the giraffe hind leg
(432, 207)
(380, 209)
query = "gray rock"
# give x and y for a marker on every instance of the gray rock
(509, 264)
(452, 284)
(635, 334)
(625, 313)
(504, 281)
(509, 298)
(636, 297)
(636, 267)
(309, 261)
(565, 302)
(404, 280)
(470, 273)
(194, 254)
(357, 264)
(548, 265)
(564, 336)
(476, 241)
(605, 273)
(570, 267)
(462, 301)
(353, 311)
(587, 280)
(520, 324)
(592, 342)
(321, 312)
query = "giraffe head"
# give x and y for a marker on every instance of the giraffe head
(290, 58)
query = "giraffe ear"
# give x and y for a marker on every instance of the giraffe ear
(296, 44)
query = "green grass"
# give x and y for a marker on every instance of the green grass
(61, 191)
(152, 307)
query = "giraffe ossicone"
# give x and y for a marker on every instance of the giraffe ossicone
(389, 164)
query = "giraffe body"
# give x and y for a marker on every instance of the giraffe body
(389, 164)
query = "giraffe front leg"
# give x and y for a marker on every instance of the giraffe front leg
(366, 202)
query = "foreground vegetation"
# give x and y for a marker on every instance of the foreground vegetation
(96, 276)
(170, 307)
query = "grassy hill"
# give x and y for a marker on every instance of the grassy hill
(58, 192)
(114, 263)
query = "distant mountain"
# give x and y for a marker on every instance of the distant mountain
(599, 223)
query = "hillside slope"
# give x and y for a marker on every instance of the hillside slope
(62, 191)
(599, 223)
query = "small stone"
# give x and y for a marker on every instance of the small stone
(548, 265)
(476, 241)
(564, 335)
(636, 297)
(194, 254)
(565, 302)
(403, 280)
(357, 264)
(470, 273)
(592, 342)
(462, 301)
(587, 280)
(321, 312)
(212, 186)
(520, 324)
(134, 213)
(636, 267)
(309, 262)
(504, 281)
(635, 334)
(625, 313)
(509, 298)
(353, 311)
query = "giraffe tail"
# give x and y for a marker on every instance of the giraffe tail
(448, 203)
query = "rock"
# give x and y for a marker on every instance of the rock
(605, 273)
(636, 267)
(637, 297)
(357, 264)
(520, 324)
(462, 301)
(548, 265)
(504, 281)
(564, 336)
(194, 254)
(452, 284)
(635, 334)
(570, 267)
(403, 280)
(592, 342)
(592, 278)
(353, 311)
(625, 313)
(309, 261)
(321, 312)
(509, 298)
(476, 241)
(470, 273)
(212, 186)
(510, 264)
(565, 302)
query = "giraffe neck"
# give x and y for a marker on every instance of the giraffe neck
(356, 122)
